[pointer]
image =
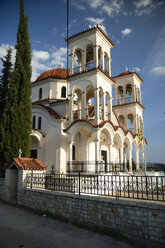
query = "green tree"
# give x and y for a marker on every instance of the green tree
(17, 115)
(21, 124)
(5, 80)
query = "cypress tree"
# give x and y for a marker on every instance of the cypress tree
(5, 82)
(16, 126)
(21, 123)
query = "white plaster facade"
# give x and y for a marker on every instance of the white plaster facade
(75, 126)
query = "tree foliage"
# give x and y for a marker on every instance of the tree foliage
(17, 114)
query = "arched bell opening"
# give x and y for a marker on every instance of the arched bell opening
(90, 102)
(101, 103)
(130, 123)
(77, 104)
(107, 106)
(121, 121)
(89, 57)
(78, 60)
(120, 95)
(129, 97)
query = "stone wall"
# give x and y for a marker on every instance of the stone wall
(2, 183)
(135, 219)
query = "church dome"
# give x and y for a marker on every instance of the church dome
(57, 73)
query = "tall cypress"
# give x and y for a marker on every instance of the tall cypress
(5, 82)
(17, 114)
(21, 124)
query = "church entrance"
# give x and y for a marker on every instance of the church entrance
(104, 158)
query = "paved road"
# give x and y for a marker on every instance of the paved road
(21, 228)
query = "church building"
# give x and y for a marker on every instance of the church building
(83, 118)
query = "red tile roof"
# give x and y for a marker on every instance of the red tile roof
(51, 111)
(28, 164)
(90, 29)
(57, 73)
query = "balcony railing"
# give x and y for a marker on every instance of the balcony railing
(127, 100)
(88, 66)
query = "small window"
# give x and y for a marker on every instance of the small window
(63, 92)
(34, 122)
(73, 152)
(39, 122)
(40, 93)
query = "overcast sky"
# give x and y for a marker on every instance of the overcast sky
(136, 27)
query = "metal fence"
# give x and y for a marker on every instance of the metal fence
(91, 167)
(135, 187)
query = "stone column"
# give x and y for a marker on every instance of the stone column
(83, 109)
(70, 108)
(137, 159)
(103, 106)
(79, 108)
(124, 95)
(130, 160)
(135, 123)
(134, 93)
(126, 123)
(109, 65)
(97, 155)
(115, 94)
(96, 92)
(121, 158)
(102, 60)
(125, 161)
(95, 56)
(71, 63)
(84, 60)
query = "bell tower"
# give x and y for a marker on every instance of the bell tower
(90, 76)
(127, 101)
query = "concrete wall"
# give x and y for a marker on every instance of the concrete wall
(130, 218)
(2, 182)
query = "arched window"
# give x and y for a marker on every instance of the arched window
(39, 123)
(34, 122)
(73, 152)
(40, 93)
(63, 91)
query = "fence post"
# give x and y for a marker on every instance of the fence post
(79, 183)
(31, 179)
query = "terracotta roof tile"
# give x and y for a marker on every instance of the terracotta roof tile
(90, 29)
(28, 164)
(51, 111)
(57, 73)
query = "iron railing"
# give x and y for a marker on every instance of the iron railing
(135, 187)
(94, 167)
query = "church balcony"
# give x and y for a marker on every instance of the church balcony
(88, 67)
(127, 100)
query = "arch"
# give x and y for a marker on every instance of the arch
(39, 123)
(36, 139)
(40, 93)
(120, 95)
(63, 92)
(107, 106)
(129, 92)
(78, 60)
(89, 56)
(130, 122)
(121, 120)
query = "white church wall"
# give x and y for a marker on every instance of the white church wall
(60, 108)
(45, 85)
